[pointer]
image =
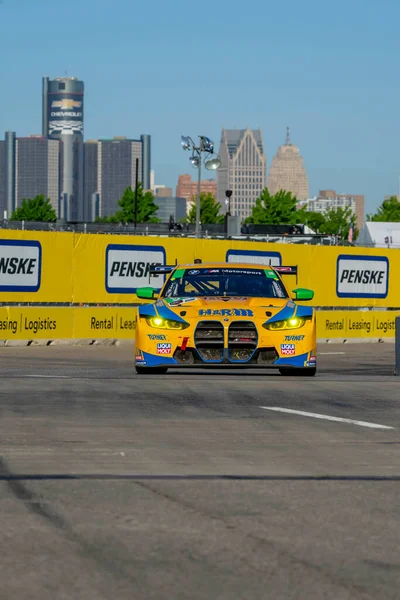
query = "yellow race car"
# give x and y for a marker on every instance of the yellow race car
(225, 315)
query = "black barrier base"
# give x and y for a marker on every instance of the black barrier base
(397, 347)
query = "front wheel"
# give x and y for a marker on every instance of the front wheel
(290, 372)
(151, 370)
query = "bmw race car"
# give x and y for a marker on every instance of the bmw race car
(225, 315)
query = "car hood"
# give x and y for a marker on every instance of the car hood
(224, 306)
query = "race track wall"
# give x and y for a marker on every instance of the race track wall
(68, 268)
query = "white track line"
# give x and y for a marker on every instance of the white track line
(327, 417)
(326, 353)
(47, 376)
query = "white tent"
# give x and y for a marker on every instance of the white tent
(379, 235)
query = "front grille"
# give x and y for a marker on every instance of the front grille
(242, 340)
(209, 330)
(209, 340)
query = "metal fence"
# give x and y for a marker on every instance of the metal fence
(261, 233)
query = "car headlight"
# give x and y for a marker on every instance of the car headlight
(160, 323)
(293, 323)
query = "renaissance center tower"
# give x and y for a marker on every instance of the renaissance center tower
(62, 119)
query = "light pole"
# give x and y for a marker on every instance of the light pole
(205, 147)
(228, 194)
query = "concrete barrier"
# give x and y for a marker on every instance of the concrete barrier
(128, 342)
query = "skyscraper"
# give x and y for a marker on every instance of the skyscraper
(145, 178)
(242, 170)
(62, 119)
(9, 202)
(91, 152)
(2, 178)
(287, 171)
(29, 167)
(110, 167)
(37, 170)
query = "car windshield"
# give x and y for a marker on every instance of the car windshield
(255, 283)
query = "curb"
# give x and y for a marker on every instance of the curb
(128, 342)
(356, 340)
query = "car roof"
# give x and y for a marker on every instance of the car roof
(224, 265)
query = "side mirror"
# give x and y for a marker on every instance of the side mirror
(303, 294)
(147, 293)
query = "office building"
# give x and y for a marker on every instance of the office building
(116, 171)
(9, 174)
(109, 168)
(187, 188)
(169, 206)
(287, 171)
(37, 169)
(63, 119)
(90, 177)
(2, 178)
(145, 140)
(159, 189)
(164, 192)
(29, 167)
(153, 186)
(242, 170)
(329, 200)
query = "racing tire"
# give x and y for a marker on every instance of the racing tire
(290, 372)
(151, 370)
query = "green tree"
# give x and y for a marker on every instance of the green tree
(338, 221)
(146, 207)
(279, 209)
(209, 210)
(110, 219)
(35, 209)
(389, 211)
(314, 220)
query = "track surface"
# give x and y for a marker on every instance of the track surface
(311, 509)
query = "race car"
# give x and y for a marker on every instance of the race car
(225, 315)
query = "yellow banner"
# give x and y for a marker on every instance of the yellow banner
(66, 323)
(36, 267)
(92, 323)
(29, 323)
(356, 324)
(36, 323)
(107, 269)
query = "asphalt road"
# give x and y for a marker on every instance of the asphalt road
(188, 486)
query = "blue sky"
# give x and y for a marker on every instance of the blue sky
(329, 70)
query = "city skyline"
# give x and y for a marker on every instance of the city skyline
(209, 177)
(89, 176)
(38, 170)
(287, 165)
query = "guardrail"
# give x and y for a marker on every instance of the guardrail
(258, 233)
